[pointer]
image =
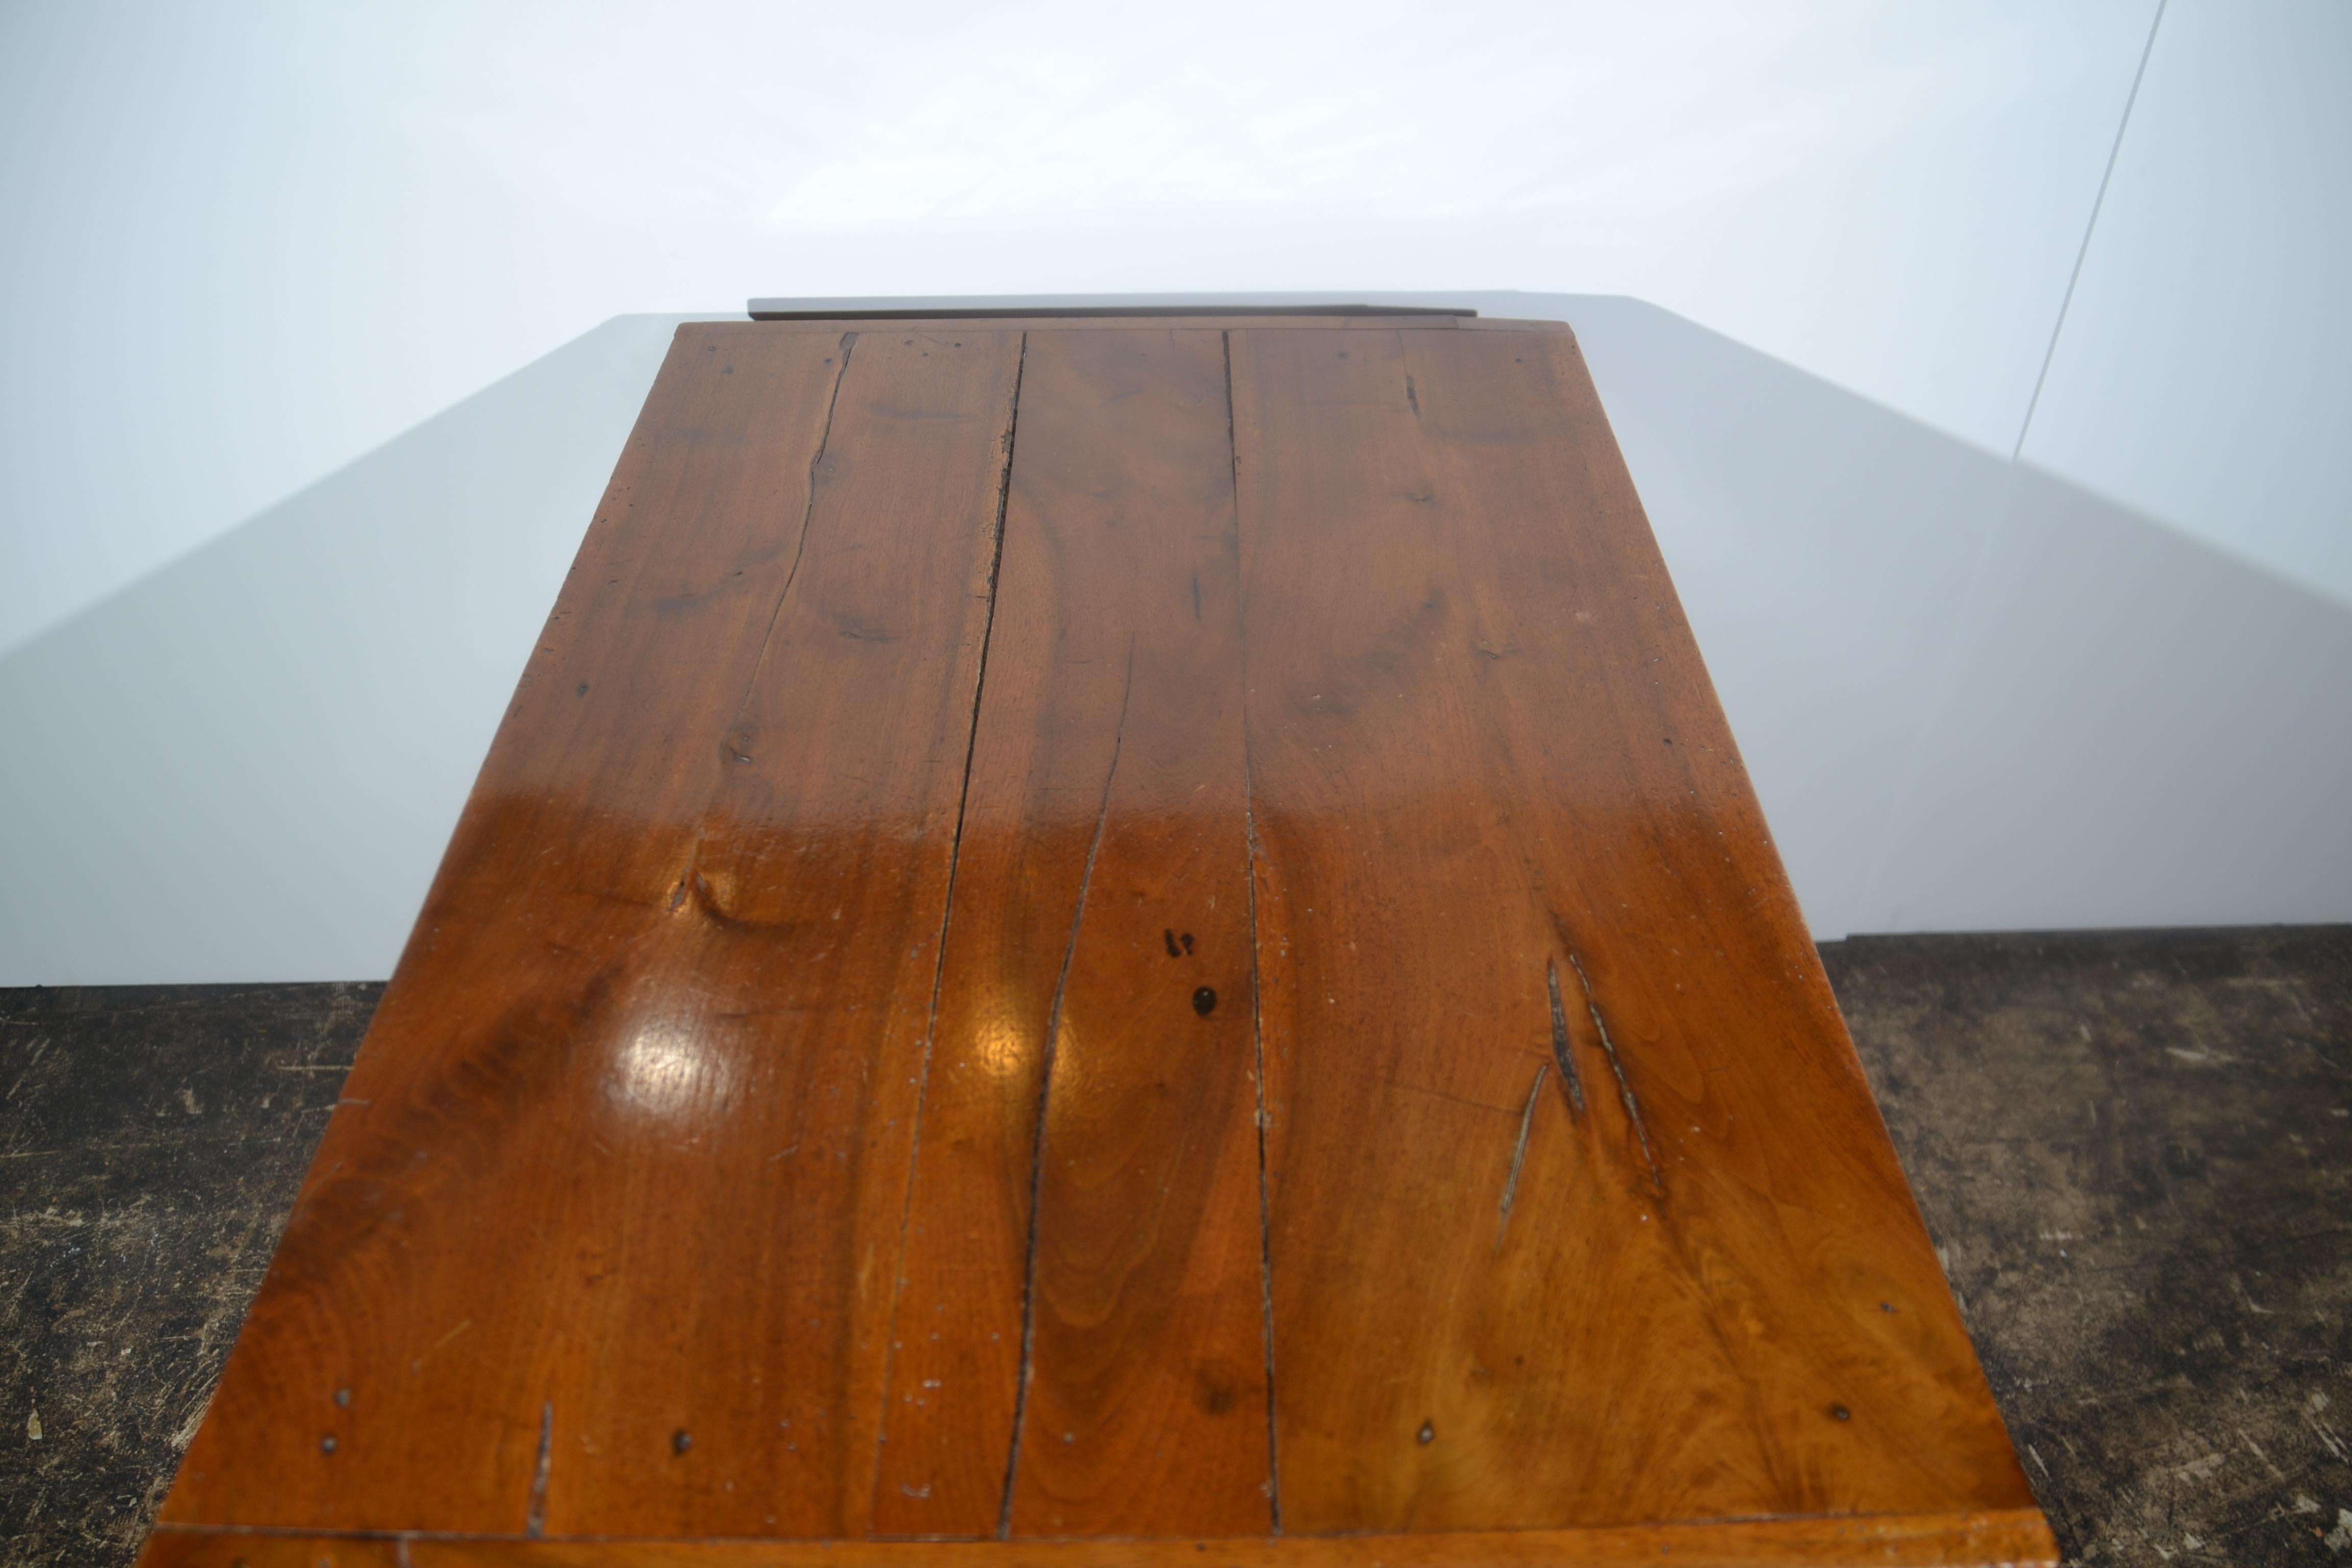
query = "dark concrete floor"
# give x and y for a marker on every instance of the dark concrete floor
(2134, 1154)
(2134, 1150)
(151, 1141)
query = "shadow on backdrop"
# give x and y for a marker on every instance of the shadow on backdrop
(1971, 696)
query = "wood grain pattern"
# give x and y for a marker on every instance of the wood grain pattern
(1144, 930)
(1519, 910)
(2010, 1539)
(1101, 943)
(592, 1243)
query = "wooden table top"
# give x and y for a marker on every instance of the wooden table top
(1109, 941)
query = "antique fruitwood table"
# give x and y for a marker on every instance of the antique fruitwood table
(1103, 940)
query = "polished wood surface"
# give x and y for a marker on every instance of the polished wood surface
(1119, 929)
(600, 1238)
(1098, 975)
(1517, 904)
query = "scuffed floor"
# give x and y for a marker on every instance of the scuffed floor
(2134, 1154)
(2134, 1149)
(151, 1141)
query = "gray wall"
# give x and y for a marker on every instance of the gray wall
(2204, 375)
(245, 766)
(250, 242)
(2072, 651)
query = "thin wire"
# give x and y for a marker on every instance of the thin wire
(2050, 352)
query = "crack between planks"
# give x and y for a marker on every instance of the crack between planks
(1045, 1092)
(534, 1517)
(947, 914)
(1257, 988)
(1624, 1088)
(1264, 1197)
(1519, 1152)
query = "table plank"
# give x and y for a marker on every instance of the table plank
(1580, 1212)
(592, 1243)
(1133, 930)
(1100, 929)
(758, 1244)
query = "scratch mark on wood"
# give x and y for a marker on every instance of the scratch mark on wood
(1519, 1152)
(1570, 1083)
(1045, 1093)
(1617, 1067)
(808, 514)
(534, 1518)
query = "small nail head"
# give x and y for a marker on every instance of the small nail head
(680, 1441)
